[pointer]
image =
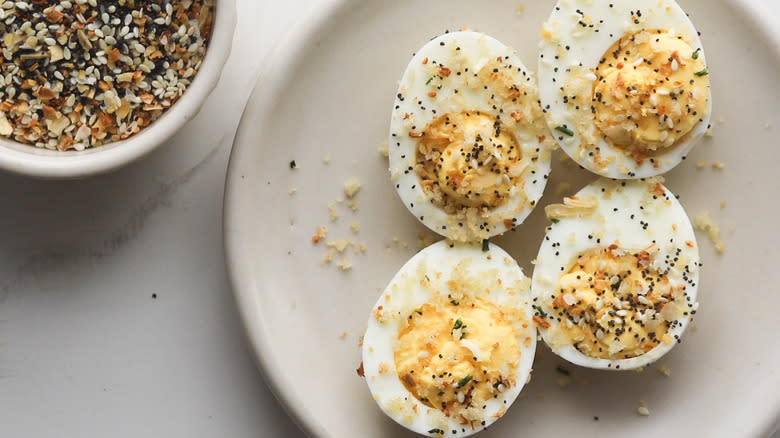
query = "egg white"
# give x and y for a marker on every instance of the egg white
(573, 49)
(415, 284)
(629, 214)
(414, 109)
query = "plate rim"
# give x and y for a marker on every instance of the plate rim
(272, 76)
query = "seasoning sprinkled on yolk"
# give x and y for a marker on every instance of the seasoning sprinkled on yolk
(650, 92)
(620, 306)
(472, 158)
(453, 357)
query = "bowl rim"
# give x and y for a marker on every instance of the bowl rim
(238, 267)
(24, 159)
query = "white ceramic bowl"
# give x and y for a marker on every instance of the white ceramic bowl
(43, 163)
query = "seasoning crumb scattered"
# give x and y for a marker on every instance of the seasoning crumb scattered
(292, 191)
(718, 165)
(339, 245)
(703, 222)
(642, 409)
(722, 204)
(354, 226)
(382, 149)
(334, 214)
(294, 304)
(351, 187)
(327, 258)
(343, 335)
(520, 9)
(326, 159)
(767, 125)
(352, 204)
(319, 234)
(701, 164)
(540, 396)
(665, 370)
(345, 264)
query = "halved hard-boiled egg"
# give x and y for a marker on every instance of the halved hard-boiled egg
(469, 149)
(450, 342)
(624, 84)
(615, 281)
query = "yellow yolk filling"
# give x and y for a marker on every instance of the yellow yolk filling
(651, 91)
(472, 158)
(454, 355)
(615, 302)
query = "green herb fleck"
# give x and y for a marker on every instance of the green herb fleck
(562, 370)
(702, 73)
(695, 54)
(418, 312)
(458, 324)
(426, 278)
(554, 220)
(454, 302)
(541, 311)
(565, 130)
(441, 393)
(464, 381)
(436, 430)
(292, 164)
(485, 245)
(462, 333)
(429, 80)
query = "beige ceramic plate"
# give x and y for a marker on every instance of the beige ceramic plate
(330, 94)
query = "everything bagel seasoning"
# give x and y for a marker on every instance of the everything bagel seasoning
(82, 73)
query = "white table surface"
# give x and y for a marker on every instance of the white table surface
(85, 349)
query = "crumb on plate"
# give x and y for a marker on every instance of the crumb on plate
(334, 214)
(351, 187)
(345, 264)
(319, 234)
(703, 222)
(382, 149)
(642, 409)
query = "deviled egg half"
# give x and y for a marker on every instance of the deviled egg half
(450, 342)
(469, 149)
(615, 280)
(624, 84)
